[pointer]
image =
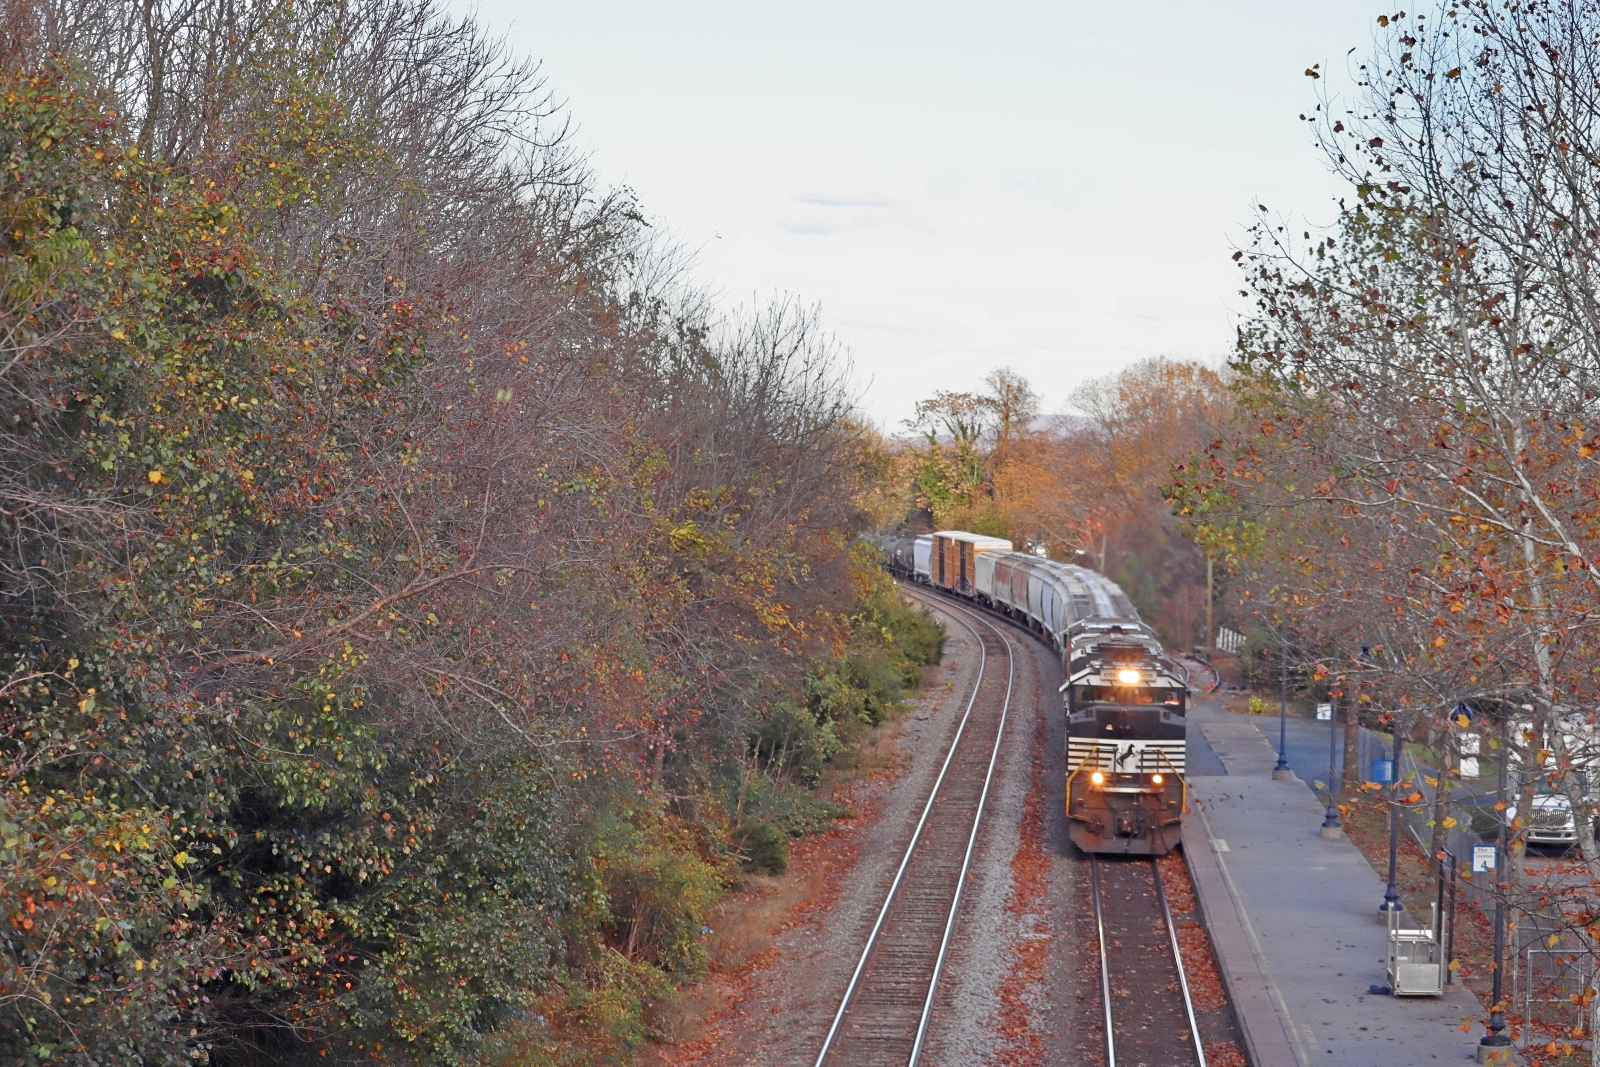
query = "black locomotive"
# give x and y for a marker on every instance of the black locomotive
(1126, 701)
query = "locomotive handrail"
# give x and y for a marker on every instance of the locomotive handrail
(1074, 772)
(1183, 808)
(1067, 791)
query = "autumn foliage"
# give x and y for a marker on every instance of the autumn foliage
(413, 593)
(1408, 488)
(1086, 485)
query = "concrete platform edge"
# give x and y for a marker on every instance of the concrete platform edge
(1261, 1023)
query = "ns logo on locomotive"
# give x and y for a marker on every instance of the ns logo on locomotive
(1125, 697)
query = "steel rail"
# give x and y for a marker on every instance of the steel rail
(916, 834)
(1105, 966)
(1216, 673)
(1094, 871)
(1177, 956)
(972, 840)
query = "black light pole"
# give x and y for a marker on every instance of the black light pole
(1391, 895)
(1282, 773)
(1330, 826)
(1497, 1037)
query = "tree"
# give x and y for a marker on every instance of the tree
(1414, 456)
(403, 566)
(1135, 425)
(1085, 487)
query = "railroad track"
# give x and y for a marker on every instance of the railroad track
(884, 1015)
(1139, 959)
(1216, 675)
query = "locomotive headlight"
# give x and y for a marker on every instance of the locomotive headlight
(1127, 676)
(1156, 778)
(1097, 778)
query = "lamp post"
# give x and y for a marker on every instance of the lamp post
(1497, 1038)
(1330, 825)
(1282, 773)
(1391, 895)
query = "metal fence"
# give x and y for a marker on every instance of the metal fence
(1550, 966)
(1552, 983)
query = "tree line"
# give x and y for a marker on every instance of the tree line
(1086, 485)
(418, 600)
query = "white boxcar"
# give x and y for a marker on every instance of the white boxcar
(922, 554)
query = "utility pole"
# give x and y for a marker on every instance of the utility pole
(1210, 634)
(1330, 823)
(1391, 894)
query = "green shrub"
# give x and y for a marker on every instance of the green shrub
(888, 645)
(765, 848)
(918, 636)
(657, 888)
(794, 744)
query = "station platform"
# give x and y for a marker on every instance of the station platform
(1292, 919)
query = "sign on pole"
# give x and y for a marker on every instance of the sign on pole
(1383, 770)
(1324, 712)
(1483, 859)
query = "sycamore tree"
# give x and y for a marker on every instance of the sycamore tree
(1419, 380)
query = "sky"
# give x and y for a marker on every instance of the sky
(1057, 188)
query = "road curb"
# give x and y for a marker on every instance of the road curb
(1261, 1025)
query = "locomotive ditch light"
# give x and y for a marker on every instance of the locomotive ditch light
(1156, 778)
(1128, 676)
(1097, 778)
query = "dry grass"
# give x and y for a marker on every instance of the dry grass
(744, 927)
(874, 755)
(748, 918)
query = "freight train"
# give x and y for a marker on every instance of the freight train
(1125, 697)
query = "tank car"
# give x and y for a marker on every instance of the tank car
(908, 555)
